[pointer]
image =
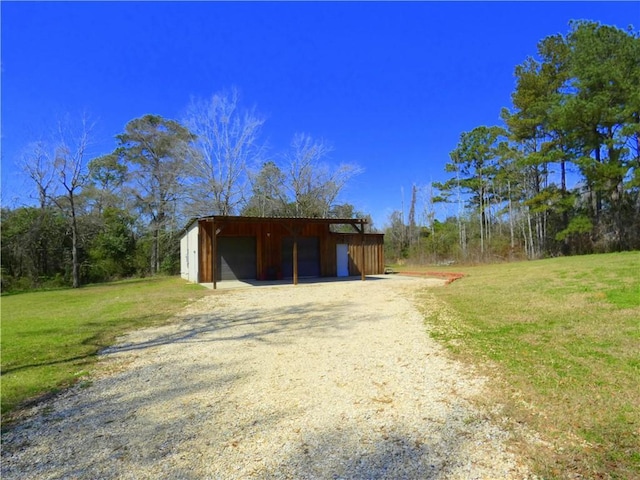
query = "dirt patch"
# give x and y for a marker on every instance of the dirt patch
(447, 276)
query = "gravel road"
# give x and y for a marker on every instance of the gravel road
(334, 380)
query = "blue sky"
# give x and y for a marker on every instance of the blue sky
(391, 85)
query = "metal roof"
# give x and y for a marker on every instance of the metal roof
(327, 221)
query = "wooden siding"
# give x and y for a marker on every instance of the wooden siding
(205, 273)
(270, 234)
(373, 251)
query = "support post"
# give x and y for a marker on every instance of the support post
(363, 267)
(295, 259)
(214, 254)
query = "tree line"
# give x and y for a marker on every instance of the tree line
(561, 176)
(121, 214)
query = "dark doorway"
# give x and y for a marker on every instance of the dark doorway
(236, 258)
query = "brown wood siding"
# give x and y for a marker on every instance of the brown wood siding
(204, 268)
(269, 240)
(328, 265)
(373, 250)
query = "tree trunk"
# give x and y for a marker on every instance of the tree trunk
(75, 263)
(511, 228)
(532, 252)
(597, 197)
(155, 253)
(481, 218)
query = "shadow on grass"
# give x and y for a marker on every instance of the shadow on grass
(47, 363)
(95, 343)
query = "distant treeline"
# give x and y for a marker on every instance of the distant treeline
(561, 176)
(122, 214)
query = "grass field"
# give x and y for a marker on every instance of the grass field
(560, 339)
(50, 338)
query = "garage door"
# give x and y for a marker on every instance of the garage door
(236, 258)
(308, 257)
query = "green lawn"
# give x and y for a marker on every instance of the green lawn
(50, 338)
(560, 339)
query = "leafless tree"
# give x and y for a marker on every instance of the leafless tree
(314, 184)
(412, 216)
(227, 142)
(37, 164)
(57, 168)
(70, 169)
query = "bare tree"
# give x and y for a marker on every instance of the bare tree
(70, 168)
(227, 142)
(37, 164)
(57, 168)
(412, 216)
(314, 185)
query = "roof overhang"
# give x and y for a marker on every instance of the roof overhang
(291, 223)
(287, 220)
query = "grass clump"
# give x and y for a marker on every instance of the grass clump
(564, 335)
(50, 338)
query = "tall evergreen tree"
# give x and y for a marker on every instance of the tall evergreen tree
(601, 110)
(475, 161)
(578, 104)
(268, 192)
(155, 151)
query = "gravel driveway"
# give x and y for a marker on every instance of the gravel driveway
(319, 381)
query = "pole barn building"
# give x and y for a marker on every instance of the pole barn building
(273, 248)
